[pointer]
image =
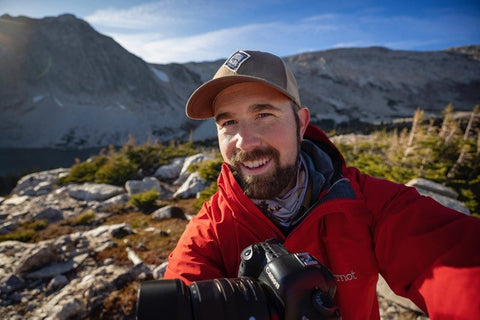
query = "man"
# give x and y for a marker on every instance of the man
(282, 178)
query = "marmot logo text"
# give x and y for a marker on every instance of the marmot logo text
(345, 277)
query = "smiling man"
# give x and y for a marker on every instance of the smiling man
(257, 139)
(283, 178)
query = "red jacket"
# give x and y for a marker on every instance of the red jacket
(426, 252)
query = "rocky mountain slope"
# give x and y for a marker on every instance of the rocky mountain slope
(376, 84)
(64, 85)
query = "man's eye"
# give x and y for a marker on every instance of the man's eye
(228, 123)
(264, 115)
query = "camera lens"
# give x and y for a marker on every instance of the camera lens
(232, 298)
(164, 299)
(324, 304)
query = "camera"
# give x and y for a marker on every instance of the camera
(272, 283)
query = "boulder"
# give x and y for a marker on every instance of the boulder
(58, 268)
(50, 214)
(191, 187)
(170, 171)
(39, 182)
(168, 212)
(93, 191)
(115, 230)
(12, 283)
(433, 187)
(120, 199)
(438, 192)
(36, 256)
(139, 186)
(184, 174)
(57, 282)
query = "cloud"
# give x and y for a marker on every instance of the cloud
(144, 16)
(216, 38)
(278, 38)
(201, 47)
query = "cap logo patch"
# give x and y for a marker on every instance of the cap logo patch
(236, 60)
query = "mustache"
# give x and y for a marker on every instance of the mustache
(239, 156)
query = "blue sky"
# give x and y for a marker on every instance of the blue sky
(167, 31)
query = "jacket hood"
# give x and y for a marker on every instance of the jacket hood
(319, 138)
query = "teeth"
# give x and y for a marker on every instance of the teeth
(255, 163)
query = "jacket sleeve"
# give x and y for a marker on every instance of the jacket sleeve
(196, 256)
(425, 251)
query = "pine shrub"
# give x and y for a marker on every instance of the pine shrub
(145, 201)
(117, 170)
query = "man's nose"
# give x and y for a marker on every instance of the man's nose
(247, 138)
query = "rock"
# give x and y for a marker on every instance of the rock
(384, 290)
(58, 268)
(159, 271)
(446, 201)
(57, 282)
(44, 266)
(15, 200)
(440, 193)
(36, 256)
(170, 171)
(50, 214)
(93, 191)
(437, 188)
(184, 174)
(12, 283)
(42, 188)
(193, 185)
(68, 308)
(115, 230)
(168, 212)
(147, 184)
(16, 297)
(117, 200)
(8, 226)
(122, 232)
(133, 257)
(39, 182)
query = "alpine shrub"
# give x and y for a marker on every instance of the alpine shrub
(145, 201)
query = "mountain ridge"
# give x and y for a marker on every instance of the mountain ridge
(64, 85)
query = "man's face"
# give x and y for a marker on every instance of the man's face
(259, 137)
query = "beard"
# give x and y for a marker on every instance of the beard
(265, 186)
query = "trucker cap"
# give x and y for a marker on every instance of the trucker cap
(243, 66)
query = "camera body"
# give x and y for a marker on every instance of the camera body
(302, 286)
(272, 283)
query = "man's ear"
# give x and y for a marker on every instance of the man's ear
(304, 117)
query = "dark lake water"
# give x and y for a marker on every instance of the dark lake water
(22, 161)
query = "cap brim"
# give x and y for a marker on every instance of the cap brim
(200, 104)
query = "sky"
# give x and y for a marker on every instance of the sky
(167, 31)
